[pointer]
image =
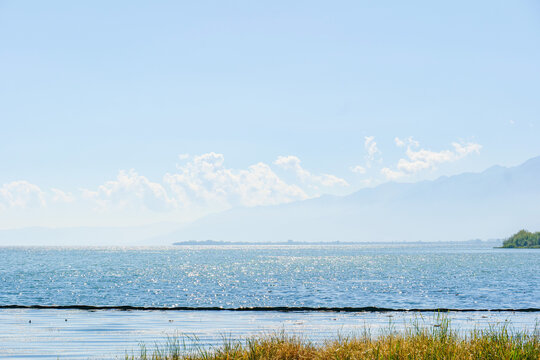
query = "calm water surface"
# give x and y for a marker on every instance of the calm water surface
(109, 334)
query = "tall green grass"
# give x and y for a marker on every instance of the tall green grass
(415, 342)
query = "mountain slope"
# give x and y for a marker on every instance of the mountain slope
(491, 204)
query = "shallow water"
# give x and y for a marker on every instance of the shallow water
(110, 334)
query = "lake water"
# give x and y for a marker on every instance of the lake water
(389, 276)
(110, 334)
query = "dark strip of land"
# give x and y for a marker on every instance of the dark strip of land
(258, 308)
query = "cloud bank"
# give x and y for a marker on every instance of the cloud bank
(293, 163)
(203, 183)
(419, 159)
(21, 194)
(206, 180)
(130, 189)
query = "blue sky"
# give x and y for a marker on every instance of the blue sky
(272, 101)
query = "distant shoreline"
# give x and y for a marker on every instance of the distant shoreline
(292, 242)
(289, 242)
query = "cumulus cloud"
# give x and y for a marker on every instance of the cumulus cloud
(410, 141)
(60, 196)
(21, 194)
(291, 162)
(358, 169)
(201, 183)
(399, 142)
(373, 154)
(425, 159)
(391, 174)
(206, 180)
(422, 159)
(371, 147)
(131, 189)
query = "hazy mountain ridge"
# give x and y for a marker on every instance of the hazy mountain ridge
(491, 204)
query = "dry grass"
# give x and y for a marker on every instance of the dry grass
(415, 342)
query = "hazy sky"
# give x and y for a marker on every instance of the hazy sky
(128, 112)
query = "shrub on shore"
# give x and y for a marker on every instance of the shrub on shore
(523, 239)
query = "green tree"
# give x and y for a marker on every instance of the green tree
(523, 239)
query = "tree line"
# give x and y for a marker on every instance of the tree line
(523, 239)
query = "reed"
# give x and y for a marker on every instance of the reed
(416, 342)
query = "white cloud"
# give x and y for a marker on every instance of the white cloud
(373, 154)
(391, 174)
(463, 150)
(61, 196)
(399, 142)
(21, 194)
(291, 162)
(427, 159)
(422, 159)
(183, 156)
(131, 189)
(409, 141)
(205, 180)
(371, 147)
(201, 184)
(358, 169)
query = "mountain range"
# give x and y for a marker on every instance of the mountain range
(491, 204)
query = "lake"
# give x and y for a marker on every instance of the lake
(400, 276)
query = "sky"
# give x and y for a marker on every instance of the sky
(136, 112)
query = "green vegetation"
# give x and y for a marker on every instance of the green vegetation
(437, 342)
(523, 239)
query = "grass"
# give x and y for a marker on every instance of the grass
(416, 342)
